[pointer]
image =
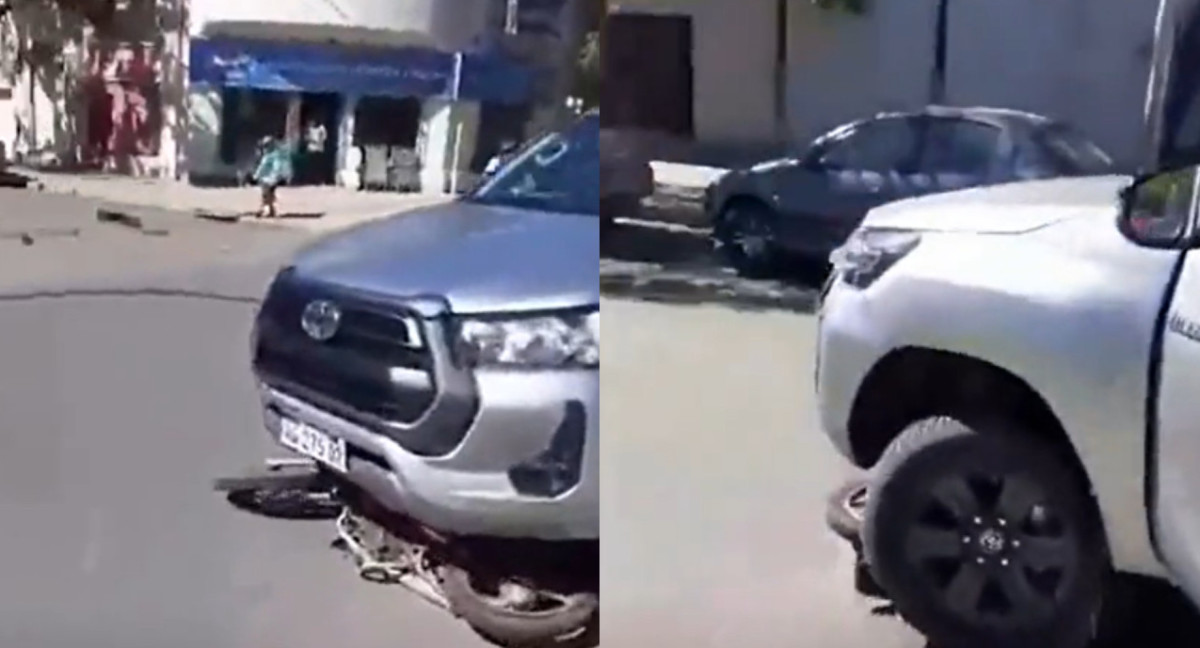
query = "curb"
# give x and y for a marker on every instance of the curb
(125, 219)
(684, 290)
(30, 236)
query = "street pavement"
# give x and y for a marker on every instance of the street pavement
(714, 474)
(311, 208)
(124, 390)
(672, 263)
(116, 412)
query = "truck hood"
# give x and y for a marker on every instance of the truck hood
(1003, 209)
(480, 259)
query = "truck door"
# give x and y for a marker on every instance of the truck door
(1175, 416)
(1173, 120)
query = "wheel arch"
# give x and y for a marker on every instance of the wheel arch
(912, 383)
(744, 198)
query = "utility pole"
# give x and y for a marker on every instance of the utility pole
(512, 12)
(941, 46)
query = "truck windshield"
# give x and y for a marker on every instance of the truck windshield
(559, 173)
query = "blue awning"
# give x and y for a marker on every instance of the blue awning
(493, 77)
(346, 69)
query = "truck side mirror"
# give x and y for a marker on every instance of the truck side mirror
(1157, 209)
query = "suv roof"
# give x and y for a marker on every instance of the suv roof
(988, 114)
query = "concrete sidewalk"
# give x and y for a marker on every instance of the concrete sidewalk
(340, 207)
(676, 199)
(678, 193)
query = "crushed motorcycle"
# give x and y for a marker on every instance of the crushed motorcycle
(514, 592)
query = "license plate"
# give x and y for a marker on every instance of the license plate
(313, 443)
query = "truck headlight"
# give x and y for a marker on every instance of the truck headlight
(543, 341)
(870, 252)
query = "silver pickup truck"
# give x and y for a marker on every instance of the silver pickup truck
(1018, 369)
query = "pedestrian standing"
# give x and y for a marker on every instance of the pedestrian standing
(315, 137)
(274, 168)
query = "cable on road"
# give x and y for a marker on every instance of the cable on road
(35, 295)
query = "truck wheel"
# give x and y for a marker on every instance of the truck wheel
(985, 538)
(524, 619)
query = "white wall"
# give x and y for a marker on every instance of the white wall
(1083, 61)
(733, 65)
(446, 24)
(202, 150)
(445, 125)
(8, 127)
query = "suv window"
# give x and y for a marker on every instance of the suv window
(1070, 152)
(558, 173)
(881, 146)
(959, 146)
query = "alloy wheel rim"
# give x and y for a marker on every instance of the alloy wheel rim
(992, 549)
(751, 236)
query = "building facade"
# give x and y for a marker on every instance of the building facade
(772, 74)
(386, 93)
(397, 87)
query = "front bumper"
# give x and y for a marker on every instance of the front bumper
(471, 491)
(848, 346)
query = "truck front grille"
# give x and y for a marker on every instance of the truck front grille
(375, 364)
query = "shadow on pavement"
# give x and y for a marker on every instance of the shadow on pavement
(676, 264)
(11, 180)
(1160, 616)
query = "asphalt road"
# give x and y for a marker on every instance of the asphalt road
(116, 412)
(714, 475)
(714, 478)
(117, 408)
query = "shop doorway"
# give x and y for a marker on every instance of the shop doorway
(247, 116)
(498, 124)
(648, 76)
(386, 129)
(316, 159)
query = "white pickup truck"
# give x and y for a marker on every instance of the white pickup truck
(1019, 368)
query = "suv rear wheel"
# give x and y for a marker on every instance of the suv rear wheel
(746, 233)
(985, 538)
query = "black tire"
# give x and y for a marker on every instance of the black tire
(289, 492)
(284, 477)
(995, 496)
(286, 504)
(620, 206)
(562, 625)
(746, 233)
(844, 510)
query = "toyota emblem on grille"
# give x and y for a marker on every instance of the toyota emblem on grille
(320, 320)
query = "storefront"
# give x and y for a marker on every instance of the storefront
(374, 107)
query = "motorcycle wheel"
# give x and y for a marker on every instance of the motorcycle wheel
(571, 620)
